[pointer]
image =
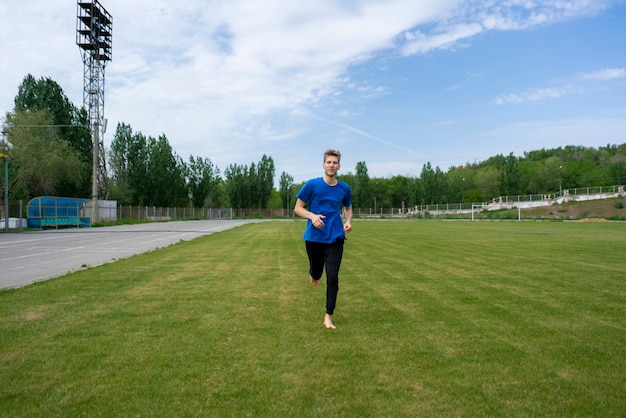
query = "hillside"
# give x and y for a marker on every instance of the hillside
(593, 209)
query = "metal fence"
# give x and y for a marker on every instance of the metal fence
(526, 201)
(153, 213)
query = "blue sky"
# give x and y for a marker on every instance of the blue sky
(394, 83)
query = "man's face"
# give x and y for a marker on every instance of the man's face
(331, 165)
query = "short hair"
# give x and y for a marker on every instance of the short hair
(332, 152)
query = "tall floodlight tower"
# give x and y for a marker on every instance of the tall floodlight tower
(93, 36)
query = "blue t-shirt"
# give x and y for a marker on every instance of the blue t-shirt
(325, 200)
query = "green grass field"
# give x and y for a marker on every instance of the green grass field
(434, 319)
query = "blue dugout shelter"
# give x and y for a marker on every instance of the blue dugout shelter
(46, 212)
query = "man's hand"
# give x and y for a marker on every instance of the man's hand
(347, 227)
(317, 221)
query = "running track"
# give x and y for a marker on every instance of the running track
(28, 257)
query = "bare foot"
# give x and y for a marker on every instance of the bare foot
(313, 281)
(328, 322)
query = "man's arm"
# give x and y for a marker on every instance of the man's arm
(347, 226)
(302, 212)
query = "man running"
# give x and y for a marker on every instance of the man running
(325, 232)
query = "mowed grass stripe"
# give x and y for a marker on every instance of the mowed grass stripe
(434, 318)
(516, 296)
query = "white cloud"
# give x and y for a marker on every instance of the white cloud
(534, 95)
(236, 58)
(257, 57)
(472, 18)
(604, 75)
(240, 68)
(419, 43)
(578, 85)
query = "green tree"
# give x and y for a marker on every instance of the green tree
(486, 180)
(616, 167)
(428, 182)
(414, 188)
(71, 124)
(237, 185)
(138, 174)
(442, 189)
(378, 193)
(265, 180)
(361, 186)
(286, 185)
(398, 191)
(202, 179)
(250, 187)
(42, 161)
(166, 174)
(274, 201)
(119, 164)
(509, 183)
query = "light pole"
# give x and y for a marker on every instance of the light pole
(5, 157)
(94, 38)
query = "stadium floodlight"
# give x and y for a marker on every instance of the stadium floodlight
(94, 38)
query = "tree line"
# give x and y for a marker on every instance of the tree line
(541, 172)
(49, 143)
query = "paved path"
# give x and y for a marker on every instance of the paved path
(29, 257)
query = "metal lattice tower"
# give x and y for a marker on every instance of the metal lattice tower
(93, 36)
